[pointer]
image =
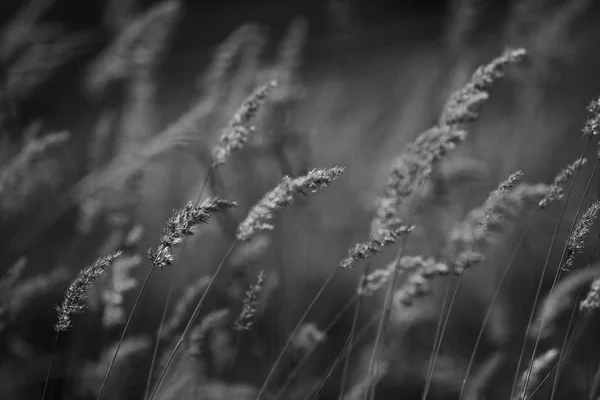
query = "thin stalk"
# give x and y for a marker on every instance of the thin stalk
(135, 304)
(444, 326)
(357, 308)
(294, 373)
(157, 341)
(229, 376)
(345, 352)
(390, 291)
(191, 321)
(559, 269)
(562, 348)
(332, 367)
(436, 343)
(440, 327)
(288, 343)
(50, 366)
(539, 386)
(539, 288)
(596, 384)
(494, 298)
(169, 294)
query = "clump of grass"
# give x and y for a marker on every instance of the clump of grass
(135, 55)
(415, 164)
(257, 221)
(182, 224)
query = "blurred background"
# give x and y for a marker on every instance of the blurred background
(358, 80)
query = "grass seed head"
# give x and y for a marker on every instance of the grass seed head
(183, 223)
(244, 320)
(78, 289)
(556, 190)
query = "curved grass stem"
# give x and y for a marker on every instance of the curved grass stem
(191, 322)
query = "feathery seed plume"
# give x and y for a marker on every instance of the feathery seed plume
(10, 277)
(555, 191)
(289, 57)
(419, 157)
(315, 180)
(540, 366)
(592, 125)
(259, 216)
(7, 283)
(32, 288)
(281, 196)
(200, 332)
(576, 241)
(244, 320)
(140, 44)
(592, 300)
(463, 106)
(223, 58)
(183, 223)
(505, 202)
(31, 170)
(417, 284)
(307, 338)
(479, 226)
(235, 135)
(78, 289)
(474, 228)
(366, 250)
(378, 278)
(558, 301)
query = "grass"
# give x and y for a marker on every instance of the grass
(410, 224)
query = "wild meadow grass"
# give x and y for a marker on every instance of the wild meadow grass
(357, 230)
